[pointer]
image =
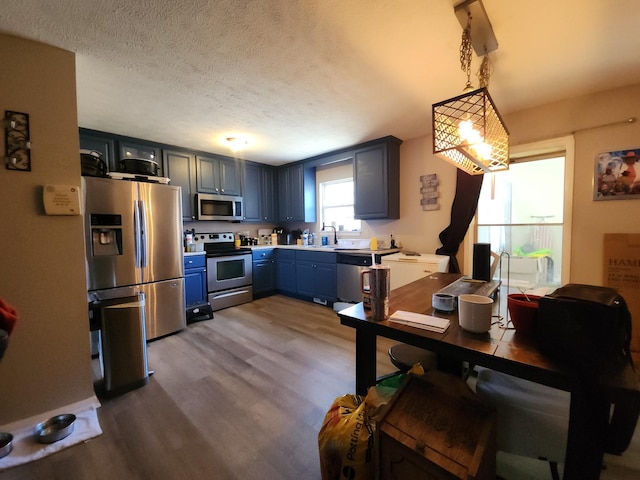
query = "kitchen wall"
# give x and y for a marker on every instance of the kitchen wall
(42, 274)
(418, 230)
(591, 220)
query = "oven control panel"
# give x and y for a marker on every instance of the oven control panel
(202, 238)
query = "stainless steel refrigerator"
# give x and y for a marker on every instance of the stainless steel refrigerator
(133, 233)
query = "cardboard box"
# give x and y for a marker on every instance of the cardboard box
(621, 271)
(436, 427)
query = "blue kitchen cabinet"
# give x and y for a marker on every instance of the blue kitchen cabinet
(305, 275)
(286, 270)
(102, 143)
(316, 276)
(132, 148)
(376, 176)
(195, 279)
(259, 193)
(219, 175)
(264, 271)
(180, 167)
(296, 193)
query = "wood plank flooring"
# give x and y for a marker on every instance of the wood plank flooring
(241, 396)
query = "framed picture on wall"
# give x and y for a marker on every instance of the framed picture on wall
(617, 175)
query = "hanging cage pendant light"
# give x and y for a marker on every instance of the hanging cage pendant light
(468, 130)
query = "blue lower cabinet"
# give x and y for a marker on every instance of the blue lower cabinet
(264, 271)
(316, 276)
(286, 271)
(195, 288)
(306, 280)
(195, 279)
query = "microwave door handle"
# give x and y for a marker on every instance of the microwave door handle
(144, 260)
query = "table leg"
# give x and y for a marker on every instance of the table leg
(588, 421)
(365, 361)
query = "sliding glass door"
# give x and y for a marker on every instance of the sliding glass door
(524, 214)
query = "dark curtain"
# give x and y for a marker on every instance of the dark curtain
(462, 211)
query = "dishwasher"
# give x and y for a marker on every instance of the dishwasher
(349, 267)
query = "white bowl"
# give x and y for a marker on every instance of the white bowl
(474, 312)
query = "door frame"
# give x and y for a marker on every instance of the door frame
(566, 144)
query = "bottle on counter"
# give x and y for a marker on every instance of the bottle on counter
(374, 243)
(189, 245)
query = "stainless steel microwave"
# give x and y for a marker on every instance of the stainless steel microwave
(219, 207)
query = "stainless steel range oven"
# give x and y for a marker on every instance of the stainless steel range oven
(229, 270)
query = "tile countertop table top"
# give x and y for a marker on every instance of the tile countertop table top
(330, 248)
(189, 254)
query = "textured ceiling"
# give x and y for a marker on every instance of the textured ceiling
(303, 77)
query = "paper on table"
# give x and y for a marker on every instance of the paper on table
(418, 320)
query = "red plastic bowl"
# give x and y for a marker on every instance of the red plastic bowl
(524, 313)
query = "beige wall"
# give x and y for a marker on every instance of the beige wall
(418, 230)
(591, 219)
(42, 274)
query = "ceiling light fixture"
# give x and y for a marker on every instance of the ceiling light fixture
(468, 130)
(236, 143)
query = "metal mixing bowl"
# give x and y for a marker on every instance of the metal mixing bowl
(54, 429)
(6, 440)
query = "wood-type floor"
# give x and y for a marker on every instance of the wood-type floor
(241, 396)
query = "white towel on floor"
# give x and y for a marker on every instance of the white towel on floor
(27, 449)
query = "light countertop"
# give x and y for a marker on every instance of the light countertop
(189, 254)
(329, 248)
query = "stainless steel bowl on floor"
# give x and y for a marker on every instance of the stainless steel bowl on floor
(54, 429)
(6, 444)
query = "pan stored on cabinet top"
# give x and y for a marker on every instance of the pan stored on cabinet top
(141, 166)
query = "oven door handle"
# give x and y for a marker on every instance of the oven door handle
(230, 294)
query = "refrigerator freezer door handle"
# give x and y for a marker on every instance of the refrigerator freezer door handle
(144, 261)
(136, 233)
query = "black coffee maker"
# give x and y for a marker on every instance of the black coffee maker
(283, 235)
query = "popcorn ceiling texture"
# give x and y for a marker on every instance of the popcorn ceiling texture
(309, 76)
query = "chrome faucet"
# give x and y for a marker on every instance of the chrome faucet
(335, 234)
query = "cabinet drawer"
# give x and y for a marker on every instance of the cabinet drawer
(195, 261)
(321, 257)
(263, 254)
(286, 254)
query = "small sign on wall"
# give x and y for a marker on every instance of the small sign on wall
(621, 271)
(429, 192)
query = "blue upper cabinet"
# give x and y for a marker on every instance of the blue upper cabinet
(104, 144)
(259, 193)
(296, 193)
(143, 150)
(219, 175)
(180, 167)
(376, 174)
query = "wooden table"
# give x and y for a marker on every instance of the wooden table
(502, 350)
